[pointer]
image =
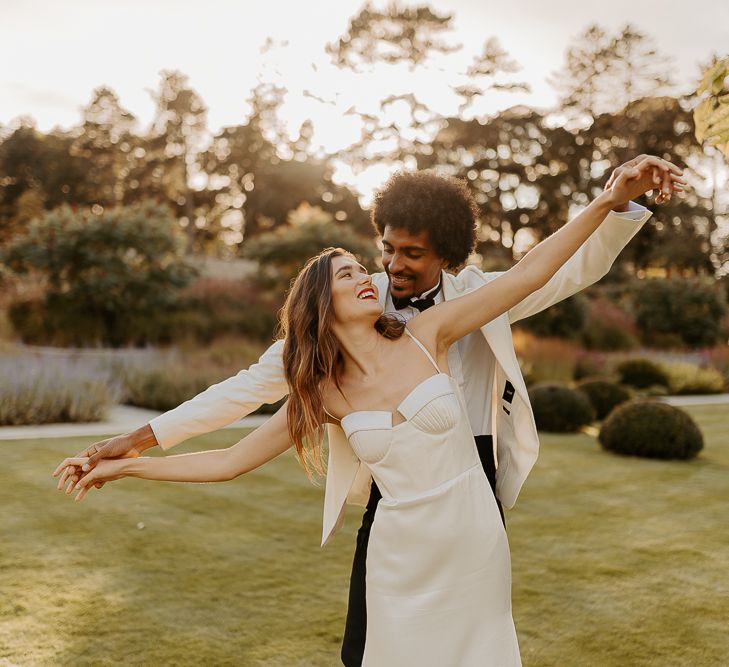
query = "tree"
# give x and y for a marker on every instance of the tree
(688, 309)
(393, 35)
(253, 189)
(580, 82)
(107, 276)
(178, 135)
(604, 73)
(282, 252)
(637, 67)
(487, 71)
(105, 141)
(680, 237)
(41, 164)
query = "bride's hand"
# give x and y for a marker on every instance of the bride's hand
(643, 174)
(106, 470)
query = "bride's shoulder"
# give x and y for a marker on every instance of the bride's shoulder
(332, 399)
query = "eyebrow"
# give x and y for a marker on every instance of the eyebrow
(407, 247)
(349, 267)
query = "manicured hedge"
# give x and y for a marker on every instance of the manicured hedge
(651, 429)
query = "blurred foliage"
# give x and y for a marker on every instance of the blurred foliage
(282, 252)
(102, 272)
(687, 378)
(392, 35)
(564, 319)
(604, 73)
(712, 114)
(32, 391)
(641, 373)
(687, 309)
(170, 379)
(608, 327)
(210, 309)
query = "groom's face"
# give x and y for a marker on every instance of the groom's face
(410, 262)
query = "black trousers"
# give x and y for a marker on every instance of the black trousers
(355, 629)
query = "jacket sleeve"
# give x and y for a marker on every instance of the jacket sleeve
(590, 263)
(225, 402)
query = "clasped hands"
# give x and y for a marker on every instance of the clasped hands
(102, 462)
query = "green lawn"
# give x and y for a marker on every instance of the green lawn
(616, 562)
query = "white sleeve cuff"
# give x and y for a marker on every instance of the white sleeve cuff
(634, 212)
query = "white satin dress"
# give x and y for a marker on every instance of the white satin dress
(438, 572)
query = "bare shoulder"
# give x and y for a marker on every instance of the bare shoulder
(333, 401)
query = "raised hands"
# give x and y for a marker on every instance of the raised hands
(643, 174)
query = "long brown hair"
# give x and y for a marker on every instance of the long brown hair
(312, 355)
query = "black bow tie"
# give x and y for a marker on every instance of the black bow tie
(420, 304)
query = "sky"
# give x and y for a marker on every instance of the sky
(56, 53)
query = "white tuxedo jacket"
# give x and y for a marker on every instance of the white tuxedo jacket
(348, 479)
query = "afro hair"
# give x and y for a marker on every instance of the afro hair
(442, 206)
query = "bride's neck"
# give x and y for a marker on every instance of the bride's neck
(361, 346)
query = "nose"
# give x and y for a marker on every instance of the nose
(396, 264)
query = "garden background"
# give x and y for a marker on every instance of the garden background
(142, 261)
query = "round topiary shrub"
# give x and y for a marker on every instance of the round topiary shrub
(641, 373)
(559, 409)
(651, 429)
(603, 395)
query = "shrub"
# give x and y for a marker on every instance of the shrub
(608, 327)
(34, 392)
(108, 276)
(589, 365)
(182, 373)
(545, 359)
(563, 320)
(688, 309)
(163, 388)
(603, 395)
(652, 430)
(641, 373)
(283, 251)
(559, 409)
(718, 357)
(211, 308)
(685, 378)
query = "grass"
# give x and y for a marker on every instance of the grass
(616, 561)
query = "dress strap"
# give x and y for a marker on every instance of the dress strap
(331, 415)
(423, 348)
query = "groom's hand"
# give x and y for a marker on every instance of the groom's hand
(127, 445)
(665, 177)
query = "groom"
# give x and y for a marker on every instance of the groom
(427, 225)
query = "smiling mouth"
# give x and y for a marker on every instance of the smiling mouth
(398, 281)
(367, 293)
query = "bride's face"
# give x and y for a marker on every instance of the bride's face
(353, 295)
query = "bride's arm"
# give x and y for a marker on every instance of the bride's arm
(451, 320)
(217, 465)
